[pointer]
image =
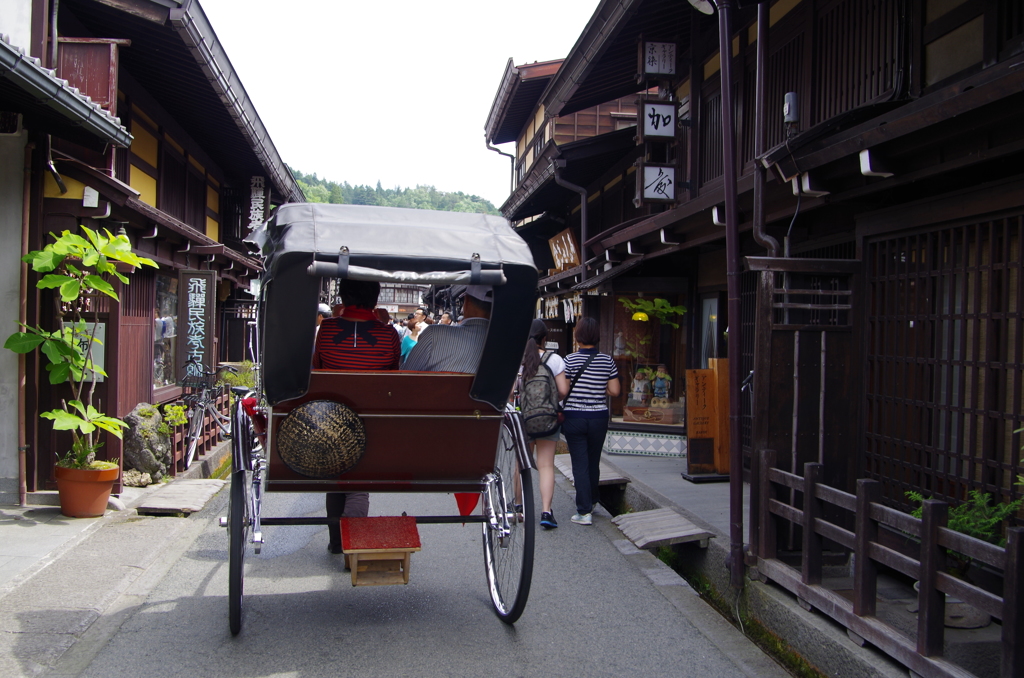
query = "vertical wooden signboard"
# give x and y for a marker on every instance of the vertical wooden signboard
(701, 420)
(196, 306)
(720, 367)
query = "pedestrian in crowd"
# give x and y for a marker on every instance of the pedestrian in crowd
(322, 311)
(403, 327)
(422, 319)
(544, 447)
(412, 336)
(446, 318)
(357, 340)
(455, 348)
(586, 414)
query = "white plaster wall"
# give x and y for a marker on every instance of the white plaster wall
(16, 21)
(12, 154)
(16, 24)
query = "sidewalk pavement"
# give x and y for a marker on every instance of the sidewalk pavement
(33, 536)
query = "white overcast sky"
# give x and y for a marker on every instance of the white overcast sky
(393, 91)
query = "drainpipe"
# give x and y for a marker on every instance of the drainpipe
(512, 174)
(53, 34)
(26, 203)
(732, 256)
(760, 127)
(557, 165)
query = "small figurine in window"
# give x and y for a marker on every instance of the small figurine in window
(662, 383)
(640, 392)
(619, 349)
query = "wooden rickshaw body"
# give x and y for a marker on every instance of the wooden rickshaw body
(401, 413)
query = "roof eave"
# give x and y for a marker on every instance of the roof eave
(55, 94)
(192, 25)
(609, 17)
(499, 107)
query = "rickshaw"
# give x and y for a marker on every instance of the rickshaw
(311, 430)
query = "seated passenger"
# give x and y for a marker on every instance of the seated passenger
(356, 340)
(455, 348)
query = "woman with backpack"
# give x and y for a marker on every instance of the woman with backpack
(594, 377)
(539, 404)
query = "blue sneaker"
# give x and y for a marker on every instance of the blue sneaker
(547, 520)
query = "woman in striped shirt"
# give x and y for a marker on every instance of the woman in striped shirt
(586, 414)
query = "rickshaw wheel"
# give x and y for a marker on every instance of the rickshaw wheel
(509, 561)
(238, 528)
(239, 522)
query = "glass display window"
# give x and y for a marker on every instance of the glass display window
(650, 359)
(165, 331)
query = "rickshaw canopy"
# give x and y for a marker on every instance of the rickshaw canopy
(303, 242)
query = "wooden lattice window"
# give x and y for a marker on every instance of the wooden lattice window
(945, 360)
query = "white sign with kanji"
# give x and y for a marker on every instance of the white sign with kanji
(659, 120)
(659, 58)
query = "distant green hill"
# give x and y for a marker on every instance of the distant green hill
(421, 197)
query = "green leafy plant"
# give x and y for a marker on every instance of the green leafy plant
(174, 415)
(977, 517)
(657, 308)
(82, 455)
(79, 269)
(245, 376)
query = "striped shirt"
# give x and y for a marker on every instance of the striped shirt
(589, 393)
(343, 344)
(449, 348)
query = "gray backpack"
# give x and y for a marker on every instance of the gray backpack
(538, 402)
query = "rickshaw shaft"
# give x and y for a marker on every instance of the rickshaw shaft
(419, 520)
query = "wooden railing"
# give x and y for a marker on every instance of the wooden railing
(923, 655)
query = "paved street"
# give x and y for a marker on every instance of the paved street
(597, 608)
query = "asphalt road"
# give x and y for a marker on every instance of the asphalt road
(597, 608)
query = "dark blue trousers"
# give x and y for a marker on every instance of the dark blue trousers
(585, 438)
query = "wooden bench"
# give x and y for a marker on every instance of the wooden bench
(379, 550)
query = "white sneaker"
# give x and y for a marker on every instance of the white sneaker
(585, 519)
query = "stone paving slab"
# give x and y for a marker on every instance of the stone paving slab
(609, 476)
(660, 527)
(181, 496)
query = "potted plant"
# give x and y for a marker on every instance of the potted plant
(78, 268)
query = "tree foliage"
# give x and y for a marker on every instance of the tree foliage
(421, 197)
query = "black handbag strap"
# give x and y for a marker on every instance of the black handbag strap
(579, 374)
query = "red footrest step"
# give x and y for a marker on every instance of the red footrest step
(378, 549)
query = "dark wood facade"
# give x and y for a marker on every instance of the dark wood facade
(887, 343)
(181, 192)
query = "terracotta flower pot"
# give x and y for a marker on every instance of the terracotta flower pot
(84, 492)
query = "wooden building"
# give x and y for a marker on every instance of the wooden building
(34, 103)
(903, 159)
(883, 301)
(199, 169)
